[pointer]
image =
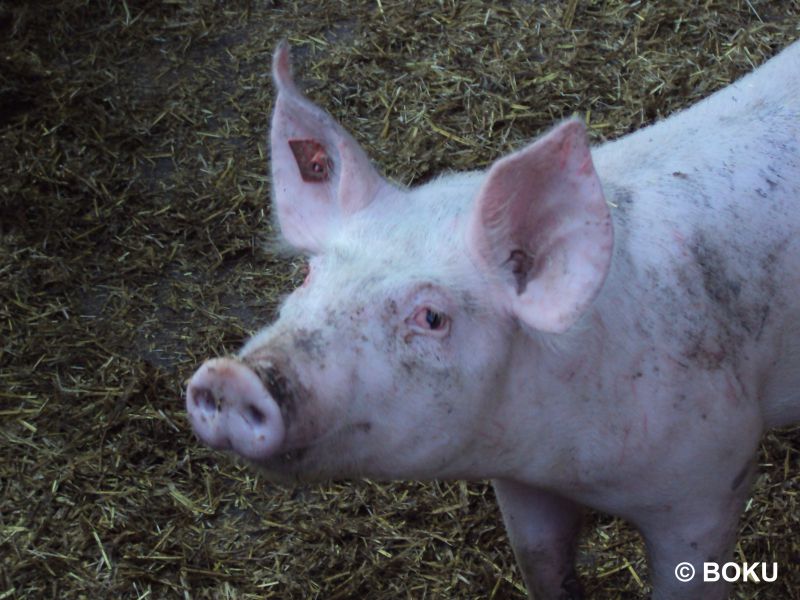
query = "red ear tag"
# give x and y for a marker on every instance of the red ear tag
(312, 160)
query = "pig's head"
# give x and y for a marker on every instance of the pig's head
(391, 360)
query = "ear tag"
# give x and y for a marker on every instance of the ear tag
(312, 160)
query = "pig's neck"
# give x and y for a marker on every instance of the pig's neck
(571, 400)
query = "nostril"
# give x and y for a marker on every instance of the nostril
(254, 415)
(205, 400)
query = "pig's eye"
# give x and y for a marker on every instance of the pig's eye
(430, 319)
(435, 320)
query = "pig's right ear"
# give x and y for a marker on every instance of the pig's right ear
(542, 230)
(319, 172)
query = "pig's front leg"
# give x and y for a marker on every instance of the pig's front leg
(700, 527)
(543, 529)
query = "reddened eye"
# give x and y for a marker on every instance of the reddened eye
(430, 319)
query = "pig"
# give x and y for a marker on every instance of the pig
(611, 327)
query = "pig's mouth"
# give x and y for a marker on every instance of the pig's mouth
(293, 456)
(286, 467)
(286, 462)
(315, 462)
(309, 464)
(290, 398)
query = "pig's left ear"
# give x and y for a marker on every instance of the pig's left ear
(542, 229)
(319, 172)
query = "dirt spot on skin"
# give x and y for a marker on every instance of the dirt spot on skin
(701, 353)
(469, 304)
(281, 391)
(310, 344)
(330, 318)
(721, 288)
(620, 198)
(737, 309)
(280, 386)
(621, 201)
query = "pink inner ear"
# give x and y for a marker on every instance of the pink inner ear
(312, 160)
(320, 175)
(542, 227)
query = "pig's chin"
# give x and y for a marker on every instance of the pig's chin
(324, 458)
(292, 466)
(309, 464)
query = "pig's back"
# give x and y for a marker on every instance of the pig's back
(706, 213)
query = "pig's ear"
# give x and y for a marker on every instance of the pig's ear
(542, 229)
(319, 172)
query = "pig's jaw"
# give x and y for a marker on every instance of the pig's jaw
(286, 467)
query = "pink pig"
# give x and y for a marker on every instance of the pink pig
(611, 327)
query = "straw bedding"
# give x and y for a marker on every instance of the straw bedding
(134, 196)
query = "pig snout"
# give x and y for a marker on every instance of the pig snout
(230, 408)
